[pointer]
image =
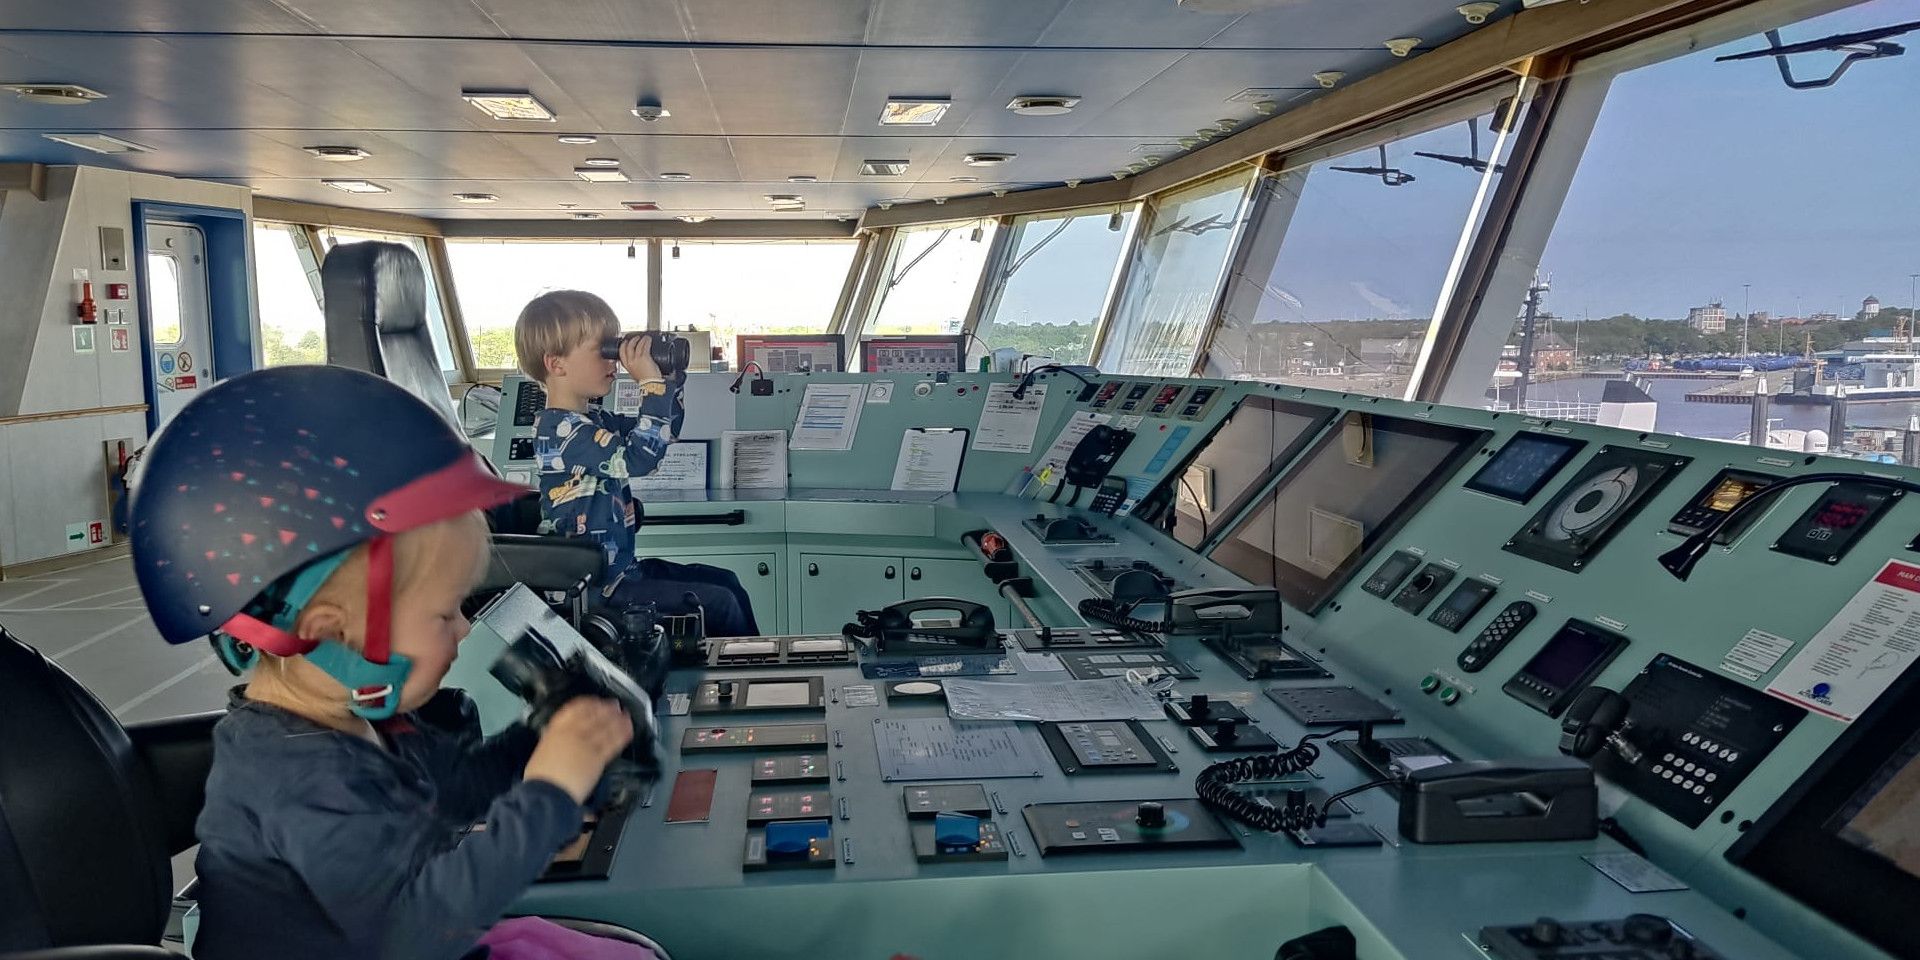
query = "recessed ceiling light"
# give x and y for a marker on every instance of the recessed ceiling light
(578, 139)
(339, 154)
(1327, 78)
(640, 206)
(676, 176)
(59, 94)
(508, 105)
(963, 179)
(1402, 46)
(651, 112)
(883, 168)
(599, 175)
(476, 198)
(1156, 148)
(567, 206)
(586, 215)
(693, 218)
(97, 142)
(1188, 143)
(1042, 106)
(803, 178)
(356, 186)
(786, 201)
(987, 159)
(913, 111)
(601, 161)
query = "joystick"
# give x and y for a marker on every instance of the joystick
(1150, 815)
(1226, 731)
(1546, 932)
(724, 690)
(1198, 706)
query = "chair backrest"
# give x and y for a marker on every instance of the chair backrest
(376, 297)
(83, 843)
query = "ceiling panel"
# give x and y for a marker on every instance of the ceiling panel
(1099, 78)
(238, 16)
(1161, 24)
(779, 90)
(608, 81)
(1333, 23)
(1193, 92)
(965, 77)
(777, 158)
(966, 23)
(427, 18)
(777, 21)
(589, 19)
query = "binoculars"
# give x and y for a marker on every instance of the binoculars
(670, 353)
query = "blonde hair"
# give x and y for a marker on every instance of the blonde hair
(554, 323)
(416, 553)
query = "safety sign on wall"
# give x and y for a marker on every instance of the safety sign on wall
(166, 363)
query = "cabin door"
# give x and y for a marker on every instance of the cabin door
(178, 328)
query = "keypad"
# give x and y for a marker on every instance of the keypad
(1494, 637)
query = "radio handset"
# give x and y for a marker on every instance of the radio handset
(1222, 611)
(1091, 460)
(928, 625)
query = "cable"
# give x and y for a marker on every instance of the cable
(1020, 390)
(1074, 500)
(750, 364)
(1119, 616)
(1200, 511)
(1215, 785)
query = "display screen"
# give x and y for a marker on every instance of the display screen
(781, 693)
(1465, 599)
(1568, 656)
(1729, 493)
(913, 354)
(1255, 442)
(1524, 465)
(791, 353)
(1883, 817)
(1340, 502)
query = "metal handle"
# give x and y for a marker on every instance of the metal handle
(813, 569)
(891, 573)
(763, 569)
(913, 574)
(731, 518)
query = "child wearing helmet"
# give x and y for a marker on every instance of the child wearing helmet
(331, 559)
(587, 456)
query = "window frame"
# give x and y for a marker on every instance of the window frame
(994, 278)
(876, 289)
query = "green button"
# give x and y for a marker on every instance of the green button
(1449, 696)
(1429, 683)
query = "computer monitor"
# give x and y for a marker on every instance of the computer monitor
(946, 353)
(1341, 502)
(1252, 444)
(791, 352)
(1845, 838)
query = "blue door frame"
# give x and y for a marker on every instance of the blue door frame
(229, 286)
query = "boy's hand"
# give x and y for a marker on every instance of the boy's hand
(636, 354)
(585, 734)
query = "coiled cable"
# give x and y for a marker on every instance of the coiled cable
(1120, 616)
(1215, 787)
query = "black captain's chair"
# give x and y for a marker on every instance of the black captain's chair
(90, 813)
(376, 305)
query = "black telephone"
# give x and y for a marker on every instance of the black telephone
(930, 625)
(1253, 610)
(1094, 455)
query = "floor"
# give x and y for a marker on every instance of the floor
(91, 622)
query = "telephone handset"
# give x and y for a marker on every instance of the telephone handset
(1093, 457)
(1240, 610)
(927, 626)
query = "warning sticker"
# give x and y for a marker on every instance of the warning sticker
(186, 362)
(166, 363)
(1755, 654)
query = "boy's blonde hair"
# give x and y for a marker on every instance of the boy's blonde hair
(556, 322)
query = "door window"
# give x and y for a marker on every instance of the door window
(163, 277)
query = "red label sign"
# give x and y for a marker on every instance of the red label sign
(1904, 576)
(185, 383)
(96, 532)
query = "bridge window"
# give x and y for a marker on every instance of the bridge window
(436, 317)
(495, 278)
(292, 329)
(1352, 252)
(732, 287)
(930, 278)
(1049, 295)
(1693, 218)
(1173, 281)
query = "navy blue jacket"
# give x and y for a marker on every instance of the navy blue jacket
(316, 843)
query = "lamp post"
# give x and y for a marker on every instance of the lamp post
(1746, 316)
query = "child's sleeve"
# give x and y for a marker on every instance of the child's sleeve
(648, 435)
(572, 465)
(469, 770)
(363, 859)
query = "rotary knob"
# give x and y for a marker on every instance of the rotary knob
(1150, 815)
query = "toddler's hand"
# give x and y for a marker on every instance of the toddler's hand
(583, 736)
(636, 354)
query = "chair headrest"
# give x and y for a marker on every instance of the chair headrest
(376, 283)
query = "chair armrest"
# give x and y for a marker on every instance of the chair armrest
(178, 753)
(556, 564)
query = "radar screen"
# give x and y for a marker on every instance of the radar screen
(1524, 465)
(1588, 511)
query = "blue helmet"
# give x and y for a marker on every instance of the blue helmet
(259, 489)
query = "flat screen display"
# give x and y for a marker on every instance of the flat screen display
(1567, 657)
(1524, 465)
(1253, 444)
(782, 693)
(791, 353)
(940, 354)
(1845, 838)
(1340, 502)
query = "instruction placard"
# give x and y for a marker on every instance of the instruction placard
(1861, 651)
(1008, 423)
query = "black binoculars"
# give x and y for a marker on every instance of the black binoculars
(670, 353)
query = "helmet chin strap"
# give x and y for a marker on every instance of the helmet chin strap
(373, 678)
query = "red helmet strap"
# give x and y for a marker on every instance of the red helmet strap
(379, 599)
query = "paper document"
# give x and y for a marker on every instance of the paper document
(683, 468)
(1059, 701)
(1007, 425)
(1861, 651)
(752, 459)
(1077, 428)
(1755, 654)
(929, 460)
(709, 404)
(626, 397)
(829, 416)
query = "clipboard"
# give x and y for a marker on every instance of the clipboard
(930, 458)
